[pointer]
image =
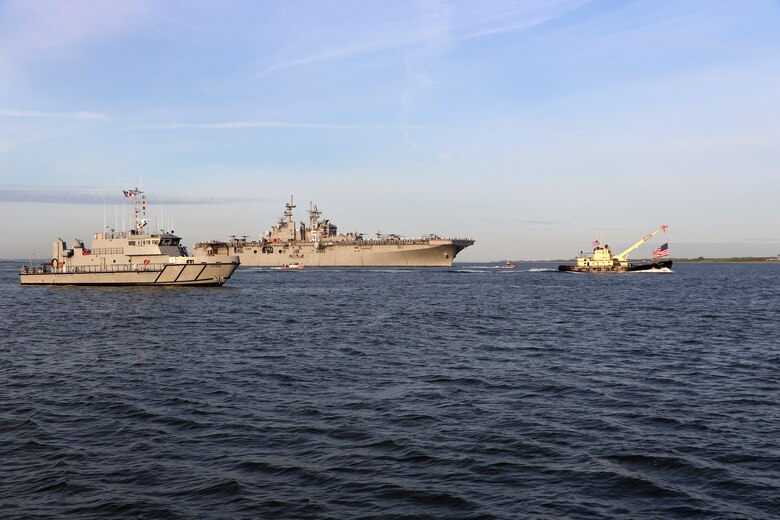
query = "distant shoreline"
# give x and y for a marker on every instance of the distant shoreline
(735, 260)
(727, 261)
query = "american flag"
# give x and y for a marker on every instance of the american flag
(662, 251)
(128, 193)
(596, 243)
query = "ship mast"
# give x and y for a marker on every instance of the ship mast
(623, 257)
(314, 217)
(139, 209)
(290, 225)
(288, 210)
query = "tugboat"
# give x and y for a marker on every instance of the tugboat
(602, 260)
(130, 258)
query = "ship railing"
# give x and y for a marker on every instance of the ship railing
(377, 242)
(149, 267)
(114, 268)
(40, 269)
(86, 269)
(368, 242)
(382, 241)
(402, 241)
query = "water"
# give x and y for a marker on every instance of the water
(426, 393)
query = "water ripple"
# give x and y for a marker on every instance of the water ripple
(402, 393)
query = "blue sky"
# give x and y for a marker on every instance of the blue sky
(532, 126)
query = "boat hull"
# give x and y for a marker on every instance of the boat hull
(199, 274)
(369, 253)
(665, 264)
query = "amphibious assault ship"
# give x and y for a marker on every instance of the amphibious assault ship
(602, 260)
(320, 244)
(130, 258)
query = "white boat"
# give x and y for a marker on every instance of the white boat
(130, 258)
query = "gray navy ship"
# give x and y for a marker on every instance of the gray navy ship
(321, 245)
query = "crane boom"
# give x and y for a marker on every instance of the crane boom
(623, 257)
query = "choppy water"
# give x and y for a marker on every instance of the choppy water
(464, 393)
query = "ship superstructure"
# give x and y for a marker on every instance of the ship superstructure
(602, 260)
(320, 244)
(134, 257)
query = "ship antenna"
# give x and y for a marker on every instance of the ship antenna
(288, 210)
(138, 209)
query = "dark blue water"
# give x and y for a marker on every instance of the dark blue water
(464, 393)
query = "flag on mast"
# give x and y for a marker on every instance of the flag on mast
(662, 251)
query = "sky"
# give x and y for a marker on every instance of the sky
(533, 127)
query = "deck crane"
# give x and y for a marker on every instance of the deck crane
(623, 257)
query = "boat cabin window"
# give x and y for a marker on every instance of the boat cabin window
(131, 242)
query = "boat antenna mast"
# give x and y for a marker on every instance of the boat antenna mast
(623, 257)
(139, 209)
(288, 210)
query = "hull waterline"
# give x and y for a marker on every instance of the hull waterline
(194, 274)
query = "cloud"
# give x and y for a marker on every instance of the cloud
(335, 54)
(31, 194)
(46, 31)
(37, 28)
(234, 125)
(244, 125)
(35, 114)
(432, 27)
(513, 17)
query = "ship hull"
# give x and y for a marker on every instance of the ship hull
(196, 274)
(665, 264)
(432, 253)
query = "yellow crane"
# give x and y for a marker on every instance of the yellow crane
(623, 257)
